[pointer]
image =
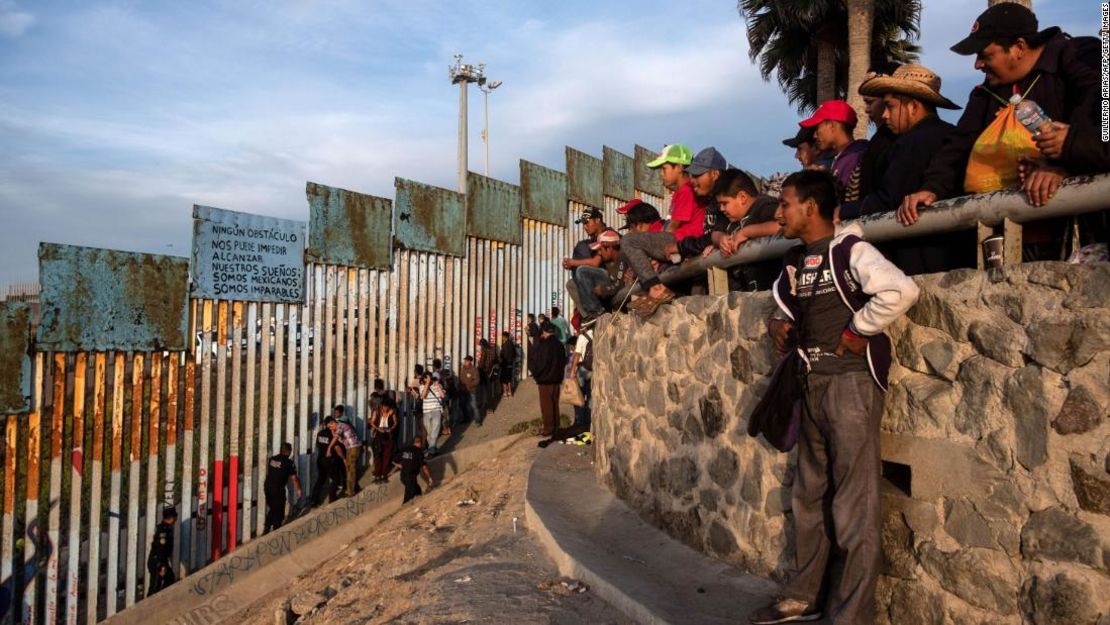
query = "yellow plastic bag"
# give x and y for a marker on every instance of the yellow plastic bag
(993, 165)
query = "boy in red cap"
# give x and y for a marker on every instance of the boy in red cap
(832, 124)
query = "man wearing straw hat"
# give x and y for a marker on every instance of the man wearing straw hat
(910, 99)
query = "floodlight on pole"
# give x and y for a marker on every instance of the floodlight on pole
(462, 74)
(486, 89)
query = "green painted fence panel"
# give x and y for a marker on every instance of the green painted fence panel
(429, 219)
(348, 228)
(584, 178)
(544, 194)
(107, 300)
(647, 180)
(618, 181)
(493, 209)
(15, 359)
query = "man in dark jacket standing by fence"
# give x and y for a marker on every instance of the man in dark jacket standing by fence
(546, 361)
(469, 380)
(160, 561)
(279, 470)
(508, 364)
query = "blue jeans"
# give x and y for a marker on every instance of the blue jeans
(582, 415)
(432, 422)
(587, 278)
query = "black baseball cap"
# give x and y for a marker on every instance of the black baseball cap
(588, 214)
(1004, 20)
(805, 135)
(642, 213)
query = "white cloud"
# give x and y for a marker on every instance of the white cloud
(13, 22)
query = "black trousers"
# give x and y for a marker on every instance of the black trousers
(275, 508)
(412, 488)
(327, 470)
(159, 578)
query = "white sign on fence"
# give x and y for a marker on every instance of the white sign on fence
(239, 256)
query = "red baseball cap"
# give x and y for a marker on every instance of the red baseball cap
(627, 207)
(831, 110)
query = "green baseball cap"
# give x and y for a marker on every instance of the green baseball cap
(674, 153)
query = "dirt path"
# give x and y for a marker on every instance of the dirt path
(436, 561)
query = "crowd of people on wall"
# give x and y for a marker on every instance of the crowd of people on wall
(1033, 122)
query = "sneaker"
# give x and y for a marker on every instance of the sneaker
(785, 610)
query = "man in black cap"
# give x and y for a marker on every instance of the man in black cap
(160, 561)
(1045, 66)
(806, 152)
(593, 222)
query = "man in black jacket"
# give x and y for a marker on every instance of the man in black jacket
(329, 468)
(279, 470)
(160, 561)
(508, 364)
(546, 361)
(1046, 66)
(910, 100)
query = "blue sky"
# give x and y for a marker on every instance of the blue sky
(116, 117)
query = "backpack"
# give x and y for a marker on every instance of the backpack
(778, 415)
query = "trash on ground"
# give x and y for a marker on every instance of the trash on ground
(466, 502)
(463, 580)
(575, 586)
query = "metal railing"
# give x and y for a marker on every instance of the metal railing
(1076, 196)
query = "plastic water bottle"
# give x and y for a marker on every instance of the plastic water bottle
(1030, 114)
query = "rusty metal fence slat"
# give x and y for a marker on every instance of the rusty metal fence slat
(154, 415)
(364, 327)
(263, 415)
(234, 484)
(135, 432)
(249, 421)
(219, 533)
(7, 521)
(301, 446)
(31, 507)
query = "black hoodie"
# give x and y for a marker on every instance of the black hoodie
(546, 360)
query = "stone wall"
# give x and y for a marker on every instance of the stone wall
(996, 442)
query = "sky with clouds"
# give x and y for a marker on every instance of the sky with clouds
(117, 116)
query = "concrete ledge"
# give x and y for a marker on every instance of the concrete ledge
(592, 536)
(253, 571)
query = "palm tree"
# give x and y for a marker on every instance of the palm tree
(861, 14)
(804, 43)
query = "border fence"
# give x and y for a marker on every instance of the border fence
(133, 393)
